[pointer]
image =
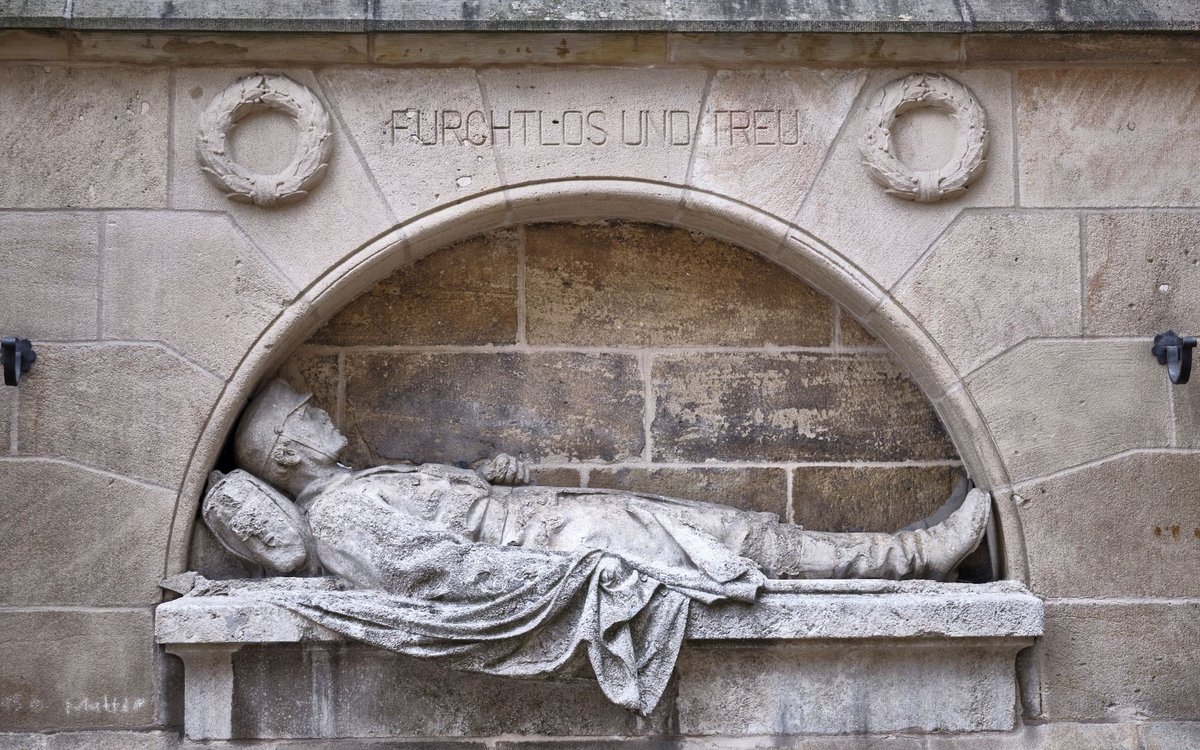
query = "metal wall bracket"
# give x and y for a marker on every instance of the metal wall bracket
(1175, 352)
(17, 355)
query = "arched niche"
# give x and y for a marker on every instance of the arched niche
(788, 246)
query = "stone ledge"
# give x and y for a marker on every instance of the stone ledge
(874, 16)
(801, 610)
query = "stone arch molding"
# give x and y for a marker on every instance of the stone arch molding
(731, 221)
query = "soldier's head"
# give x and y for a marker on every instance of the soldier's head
(285, 440)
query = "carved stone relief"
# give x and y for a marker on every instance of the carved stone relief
(965, 165)
(314, 144)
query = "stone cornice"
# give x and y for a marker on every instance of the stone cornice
(867, 16)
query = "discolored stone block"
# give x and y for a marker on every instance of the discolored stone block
(1107, 662)
(640, 284)
(144, 407)
(315, 372)
(180, 277)
(465, 295)
(1143, 273)
(110, 137)
(71, 669)
(62, 525)
(791, 407)
(48, 288)
(846, 687)
(1127, 527)
(447, 407)
(876, 498)
(748, 489)
(21, 44)
(1025, 284)
(1108, 136)
(363, 692)
(555, 477)
(1051, 405)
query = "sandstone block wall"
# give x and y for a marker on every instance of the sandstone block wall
(1022, 310)
(633, 356)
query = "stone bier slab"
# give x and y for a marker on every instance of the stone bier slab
(806, 658)
(934, 16)
(786, 610)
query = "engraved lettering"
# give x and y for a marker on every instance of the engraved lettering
(597, 135)
(591, 128)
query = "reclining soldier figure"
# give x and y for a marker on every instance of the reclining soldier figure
(459, 557)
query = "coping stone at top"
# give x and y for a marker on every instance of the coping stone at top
(871, 16)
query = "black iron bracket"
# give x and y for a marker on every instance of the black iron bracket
(1175, 352)
(17, 355)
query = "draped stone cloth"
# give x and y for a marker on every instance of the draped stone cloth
(522, 581)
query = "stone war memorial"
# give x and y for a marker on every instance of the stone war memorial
(524, 375)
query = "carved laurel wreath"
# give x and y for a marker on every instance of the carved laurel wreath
(313, 146)
(964, 166)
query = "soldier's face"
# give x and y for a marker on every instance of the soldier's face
(312, 428)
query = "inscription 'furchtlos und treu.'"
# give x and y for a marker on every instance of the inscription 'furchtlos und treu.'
(595, 127)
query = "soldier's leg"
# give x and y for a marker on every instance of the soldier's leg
(789, 551)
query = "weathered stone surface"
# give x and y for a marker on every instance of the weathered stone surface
(1108, 137)
(48, 288)
(852, 334)
(464, 407)
(1112, 662)
(633, 134)
(144, 408)
(890, 741)
(834, 688)
(114, 120)
(604, 744)
(789, 407)
(8, 421)
(1053, 736)
(1051, 405)
(233, 48)
(113, 741)
(639, 284)
(555, 477)
(749, 489)
(62, 525)
(1187, 416)
(256, 15)
(515, 48)
(397, 119)
(764, 133)
(734, 49)
(357, 691)
(873, 498)
(885, 235)
(1128, 527)
(464, 295)
(345, 205)
(68, 669)
(33, 45)
(1048, 47)
(1024, 283)
(1168, 735)
(180, 278)
(1143, 273)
